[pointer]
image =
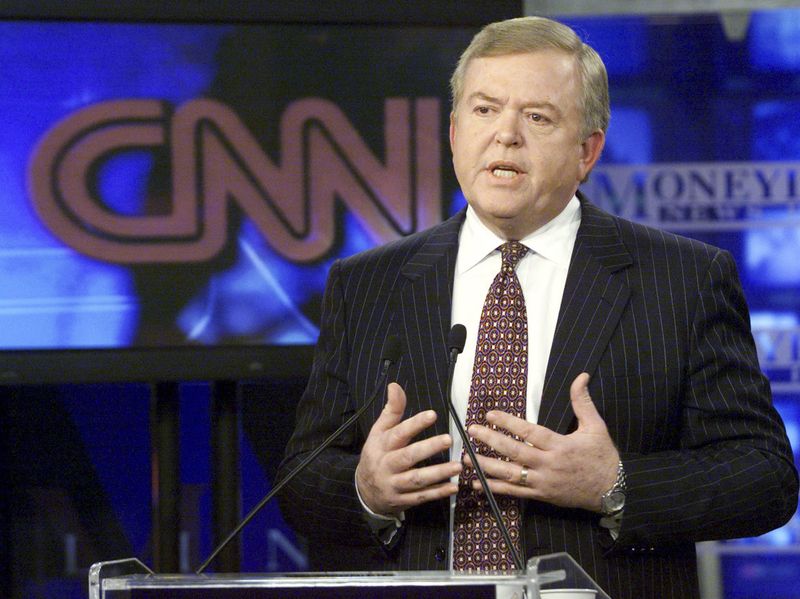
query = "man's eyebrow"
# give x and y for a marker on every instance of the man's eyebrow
(546, 105)
(484, 97)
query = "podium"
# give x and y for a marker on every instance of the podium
(554, 576)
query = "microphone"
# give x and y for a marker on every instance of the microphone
(455, 344)
(456, 339)
(391, 353)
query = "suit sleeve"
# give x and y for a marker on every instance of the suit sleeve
(321, 502)
(733, 473)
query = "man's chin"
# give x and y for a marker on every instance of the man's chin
(506, 224)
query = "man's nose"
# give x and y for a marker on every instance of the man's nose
(508, 130)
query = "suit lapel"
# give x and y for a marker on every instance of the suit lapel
(423, 318)
(595, 295)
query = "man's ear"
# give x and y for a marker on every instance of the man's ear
(591, 148)
(452, 129)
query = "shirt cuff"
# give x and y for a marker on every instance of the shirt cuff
(384, 527)
(612, 524)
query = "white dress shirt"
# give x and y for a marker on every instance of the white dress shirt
(542, 273)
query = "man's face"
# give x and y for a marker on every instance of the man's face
(515, 135)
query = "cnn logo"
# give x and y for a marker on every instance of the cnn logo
(216, 162)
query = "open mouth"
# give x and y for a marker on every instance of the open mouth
(504, 172)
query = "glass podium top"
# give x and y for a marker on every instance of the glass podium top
(130, 579)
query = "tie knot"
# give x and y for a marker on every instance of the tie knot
(512, 251)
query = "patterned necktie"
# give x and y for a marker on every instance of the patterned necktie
(499, 382)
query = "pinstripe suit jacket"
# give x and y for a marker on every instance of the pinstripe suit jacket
(661, 324)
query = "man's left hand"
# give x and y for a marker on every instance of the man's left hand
(571, 470)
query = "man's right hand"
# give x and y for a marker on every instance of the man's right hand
(387, 477)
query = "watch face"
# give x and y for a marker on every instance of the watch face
(613, 502)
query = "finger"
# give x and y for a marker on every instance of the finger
(532, 434)
(502, 487)
(404, 432)
(432, 493)
(408, 456)
(392, 412)
(516, 451)
(582, 404)
(503, 478)
(513, 424)
(497, 469)
(421, 478)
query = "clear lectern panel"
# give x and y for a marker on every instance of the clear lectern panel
(546, 577)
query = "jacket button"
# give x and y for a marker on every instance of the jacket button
(440, 554)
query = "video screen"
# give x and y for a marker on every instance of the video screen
(190, 185)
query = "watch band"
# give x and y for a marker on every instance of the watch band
(612, 501)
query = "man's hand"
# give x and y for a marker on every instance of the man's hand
(387, 478)
(567, 470)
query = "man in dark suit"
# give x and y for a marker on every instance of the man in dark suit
(646, 424)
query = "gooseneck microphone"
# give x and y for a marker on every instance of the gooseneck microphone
(455, 345)
(391, 353)
(456, 339)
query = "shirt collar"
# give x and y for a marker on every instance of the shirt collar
(553, 241)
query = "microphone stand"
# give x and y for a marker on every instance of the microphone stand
(390, 355)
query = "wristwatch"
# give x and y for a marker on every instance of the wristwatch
(612, 502)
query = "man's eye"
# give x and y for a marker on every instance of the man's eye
(536, 117)
(482, 109)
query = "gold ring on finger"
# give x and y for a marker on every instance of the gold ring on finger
(523, 476)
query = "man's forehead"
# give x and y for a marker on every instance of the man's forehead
(554, 55)
(490, 77)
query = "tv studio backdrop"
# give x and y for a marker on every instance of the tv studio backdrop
(177, 180)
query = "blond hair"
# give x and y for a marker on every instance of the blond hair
(530, 34)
